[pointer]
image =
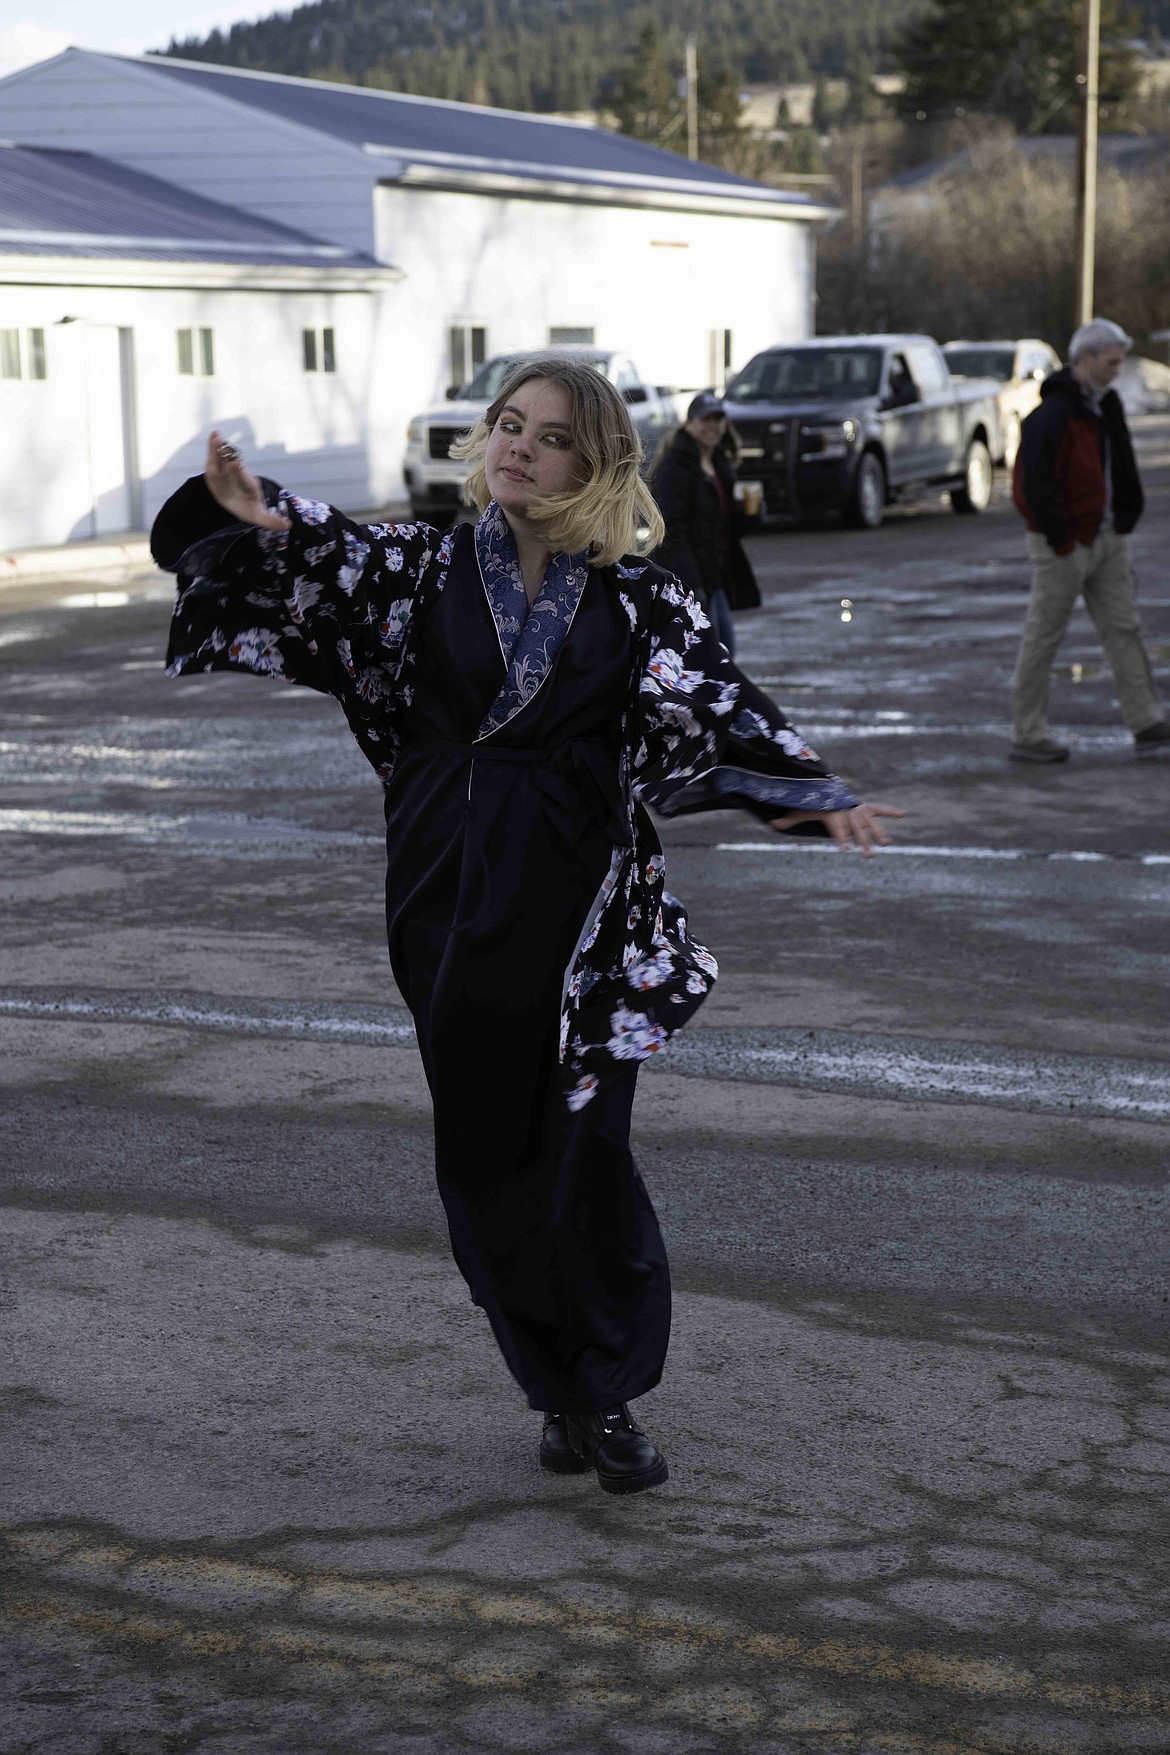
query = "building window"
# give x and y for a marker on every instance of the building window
(196, 344)
(14, 363)
(318, 353)
(567, 336)
(468, 350)
(10, 353)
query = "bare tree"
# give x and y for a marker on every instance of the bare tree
(985, 249)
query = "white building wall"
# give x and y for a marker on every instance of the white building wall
(307, 430)
(220, 149)
(649, 281)
(655, 282)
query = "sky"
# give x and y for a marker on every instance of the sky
(31, 30)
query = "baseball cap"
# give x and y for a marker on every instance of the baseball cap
(705, 403)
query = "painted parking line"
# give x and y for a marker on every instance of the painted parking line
(225, 836)
(376, 1026)
(910, 851)
(850, 1062)
(205, 833)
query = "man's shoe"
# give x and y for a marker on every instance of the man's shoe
(556, 1453)
(625, 1459)
(1153, 740)
(1043, 751)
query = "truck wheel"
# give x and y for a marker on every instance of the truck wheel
(975, 493)
(866, 504)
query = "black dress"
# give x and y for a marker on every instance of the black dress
(495, 855)
(529, 926)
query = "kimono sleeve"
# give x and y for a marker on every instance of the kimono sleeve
(320, 604)
(710, 739)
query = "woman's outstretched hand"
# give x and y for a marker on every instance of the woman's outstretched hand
(236, 489)
(858, 827)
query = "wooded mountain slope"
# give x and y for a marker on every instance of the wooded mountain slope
(550, 54)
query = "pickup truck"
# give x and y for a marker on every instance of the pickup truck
(435, 484)
(853, 423)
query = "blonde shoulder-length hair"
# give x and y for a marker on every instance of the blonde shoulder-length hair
(610, 512)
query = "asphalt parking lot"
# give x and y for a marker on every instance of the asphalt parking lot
(269, 1488)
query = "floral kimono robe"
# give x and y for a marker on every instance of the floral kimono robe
(529, 928)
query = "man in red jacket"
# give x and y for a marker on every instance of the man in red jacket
(1076, 483)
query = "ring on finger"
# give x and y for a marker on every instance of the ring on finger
(228, 454)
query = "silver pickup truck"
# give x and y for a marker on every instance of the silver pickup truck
(435, 484)
(852, 423)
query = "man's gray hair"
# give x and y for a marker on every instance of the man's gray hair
(1096, 336)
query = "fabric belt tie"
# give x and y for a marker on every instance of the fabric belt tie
(580, 769)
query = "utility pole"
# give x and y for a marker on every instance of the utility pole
(1087, 89)
(856, 197)
(692, 88)
(858, 229)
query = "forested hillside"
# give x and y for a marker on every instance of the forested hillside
(551, 54)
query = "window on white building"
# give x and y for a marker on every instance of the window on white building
(565, 335)
(196, 349)
(467, 350)
(22, 362)
(318, 352)
(718, 356)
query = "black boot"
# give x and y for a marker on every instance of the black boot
(556, 1453)
(625, 1459)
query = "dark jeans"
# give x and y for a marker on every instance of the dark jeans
(719, 610)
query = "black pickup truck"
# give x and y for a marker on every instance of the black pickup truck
(852, 423)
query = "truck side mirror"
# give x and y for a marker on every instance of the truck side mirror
(453, 391)
(635, 393)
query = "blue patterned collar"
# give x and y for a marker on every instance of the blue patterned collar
(530, 636)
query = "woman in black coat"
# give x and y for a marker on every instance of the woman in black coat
(523, 689)
(694, 485)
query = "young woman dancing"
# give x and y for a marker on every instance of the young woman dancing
(523, 687)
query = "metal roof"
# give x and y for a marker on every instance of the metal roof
(57, 202)
(1129, 154)
(437, 131)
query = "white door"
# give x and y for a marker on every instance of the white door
(110, 438)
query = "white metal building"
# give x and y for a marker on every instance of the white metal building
(456, 230)
(135, 316)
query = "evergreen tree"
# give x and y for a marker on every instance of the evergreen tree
(862, 103)
(802, 154)
(647, 102)
(562, 54)
(1011, 58)
(824, 113)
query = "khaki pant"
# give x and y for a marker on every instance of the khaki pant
(1102, 573)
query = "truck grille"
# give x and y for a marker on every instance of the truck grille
(764, 458)
(764, 441)
(440, 441)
